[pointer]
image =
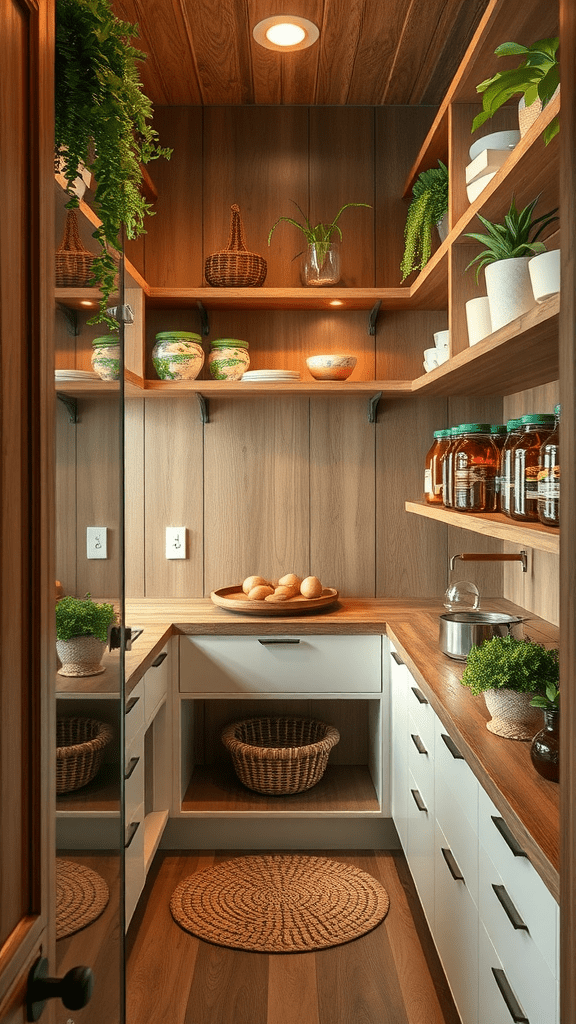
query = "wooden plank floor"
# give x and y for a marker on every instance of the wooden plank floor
(390, 976)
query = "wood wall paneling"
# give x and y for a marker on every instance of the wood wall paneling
(134, 489)
(66, 511)
(98, 493)
(401, 339)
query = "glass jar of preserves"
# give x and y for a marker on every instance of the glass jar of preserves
(447, 465)
(549, 477)
(433, 468)
(498, 434)
(506, 475)
(534, 430)
(475, 467)
(228, 358)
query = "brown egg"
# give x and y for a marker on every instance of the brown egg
(277, 597)
(311, 587)
(260, 592)
(254, 581)
(286, 592)
(289, 580)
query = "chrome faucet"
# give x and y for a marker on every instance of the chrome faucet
(469, 556)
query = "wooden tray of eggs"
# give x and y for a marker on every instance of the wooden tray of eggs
(291, 595)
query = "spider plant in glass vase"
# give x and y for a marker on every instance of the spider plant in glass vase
(321, 263)
(428, 208)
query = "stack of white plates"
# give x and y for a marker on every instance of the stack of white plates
(75, 375)
(270, 375)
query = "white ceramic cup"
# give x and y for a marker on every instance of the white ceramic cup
(544, 271)
(429, 366)
(442, 355)
(431, 356)
(442, 340)
(478, 319)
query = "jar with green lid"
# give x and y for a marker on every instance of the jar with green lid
(506, 474)
(106, 357)
(475, 467)
(549, 477)
(433, 467)
(534, 430)
(447, 465)
(178, 355)
(228, 358)
(498, 434)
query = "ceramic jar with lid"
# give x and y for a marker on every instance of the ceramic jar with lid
(106, 357)
(178, 355)
(228, 358)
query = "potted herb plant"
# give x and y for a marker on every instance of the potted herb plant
(82, 634)
(102, 116)
(510, 672)
(508, 249)
(428, 207)
(545, 746)
(321, 264)
(536, 80)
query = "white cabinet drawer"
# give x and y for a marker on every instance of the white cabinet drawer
(508, 995)
(462, 839)
(456, 931)
(135, 874)
(134, 719)
(535, 903)
(134, 778)
(156, 684)
(421, 711)
(420, 848)
(454, 774)
(283, 664)
(421, 763)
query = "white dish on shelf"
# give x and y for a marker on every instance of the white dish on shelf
(496, 140)
(487, 161)
(75, 375)
(478, 186)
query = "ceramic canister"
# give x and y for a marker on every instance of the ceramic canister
(106, 357)
(228, 358)
(178, 355)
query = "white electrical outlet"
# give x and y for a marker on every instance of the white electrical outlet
(175, 542)
(96, 542)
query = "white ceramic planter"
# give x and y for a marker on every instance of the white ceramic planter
(544, 271)
(509, 290)
(478, 319)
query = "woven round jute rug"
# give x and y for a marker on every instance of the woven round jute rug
(81, 896)
(279, 904)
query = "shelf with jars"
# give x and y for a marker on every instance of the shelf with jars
(492, 524)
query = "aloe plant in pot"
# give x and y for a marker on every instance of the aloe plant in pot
(321, 264)
(428, 207)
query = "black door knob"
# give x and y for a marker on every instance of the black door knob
(74, 989)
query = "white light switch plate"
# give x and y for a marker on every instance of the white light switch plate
(175, 542)
(96, 542)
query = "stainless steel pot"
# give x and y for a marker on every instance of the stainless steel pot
(460, 631)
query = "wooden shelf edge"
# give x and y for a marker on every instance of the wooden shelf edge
(307, 389)
(492, 524)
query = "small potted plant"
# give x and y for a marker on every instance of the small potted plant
(510, 673)
(508, 250)
(321, 263)
(545, 746)
(82, 634)
(536, 80)
(428, 207)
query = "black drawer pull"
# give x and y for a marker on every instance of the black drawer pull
(419, 695)
(418, 800)
(509, 908)
(512, 1004)
(131, 704)
(130, 767)
(452, 747)
(452, 865)
(281, 640)
(158, 661)
(131, 833)
(418, 744)
(397, 658)
(507, 836)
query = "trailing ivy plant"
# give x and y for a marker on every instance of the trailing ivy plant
(102, 117)
(505, 662)
(428, 206)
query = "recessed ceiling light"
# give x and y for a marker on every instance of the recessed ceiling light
(336, 302)
(86, 302)
(285, 32)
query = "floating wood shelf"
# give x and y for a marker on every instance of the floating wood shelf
(492, 524)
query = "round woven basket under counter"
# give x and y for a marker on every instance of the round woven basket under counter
(80, 745)
(280, 755)
(234, 266)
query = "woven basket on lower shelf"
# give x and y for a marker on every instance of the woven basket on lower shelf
(279, 755)
(234, 266)
(73, 260)
(80, 744)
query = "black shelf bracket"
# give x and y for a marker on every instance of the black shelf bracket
(373, 316)
(204, 321)
(71, 317)
(373, 407)
(71, 404)
(203, 408)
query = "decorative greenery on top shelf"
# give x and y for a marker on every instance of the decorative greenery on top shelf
(321, 234)
(101, 118)
(505, 663)
(77, 616)
(428, 206)
(512, 239)
(537, 77)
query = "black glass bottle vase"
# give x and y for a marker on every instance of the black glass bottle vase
(545, 748)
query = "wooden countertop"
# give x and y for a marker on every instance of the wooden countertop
(528, 803)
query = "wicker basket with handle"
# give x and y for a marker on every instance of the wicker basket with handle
(234, 266)
(80, 744)
(73, 260)
(279, 755)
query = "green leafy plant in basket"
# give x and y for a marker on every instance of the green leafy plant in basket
(516, 237)
(537, 77)
(101, 121)
(508, 663)
(428, 206)
(319, 235)
(77, 616)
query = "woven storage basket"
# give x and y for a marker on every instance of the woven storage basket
(80, 744)
(278, 756)
(234, 266)
(73, 261)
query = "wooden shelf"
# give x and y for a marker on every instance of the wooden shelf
(492, 524)
(331, 299)
(343, 789)
(239, 389)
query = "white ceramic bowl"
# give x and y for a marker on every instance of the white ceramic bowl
(429, 366)
(431, 356)
(442, 355)
(478, 186)
(332, 367)
(442, 340)
(497, 140)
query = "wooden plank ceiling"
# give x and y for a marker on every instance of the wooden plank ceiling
(370, 52)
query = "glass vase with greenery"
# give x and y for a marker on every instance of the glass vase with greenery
(321, 235)
(536, 78)
(428, 206)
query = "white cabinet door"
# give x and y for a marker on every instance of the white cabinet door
(156, 683)
(420, 847)
(399, 759)
(456, 930)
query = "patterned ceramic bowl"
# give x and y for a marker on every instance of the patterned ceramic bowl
(338, 367)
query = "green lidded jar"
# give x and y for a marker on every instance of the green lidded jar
(476, 461)
(106, 357)
(506, 472)
(228, 358)
(178, 355)
(533, 431)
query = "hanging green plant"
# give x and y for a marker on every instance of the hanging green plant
(428, 206)
(102, 116)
